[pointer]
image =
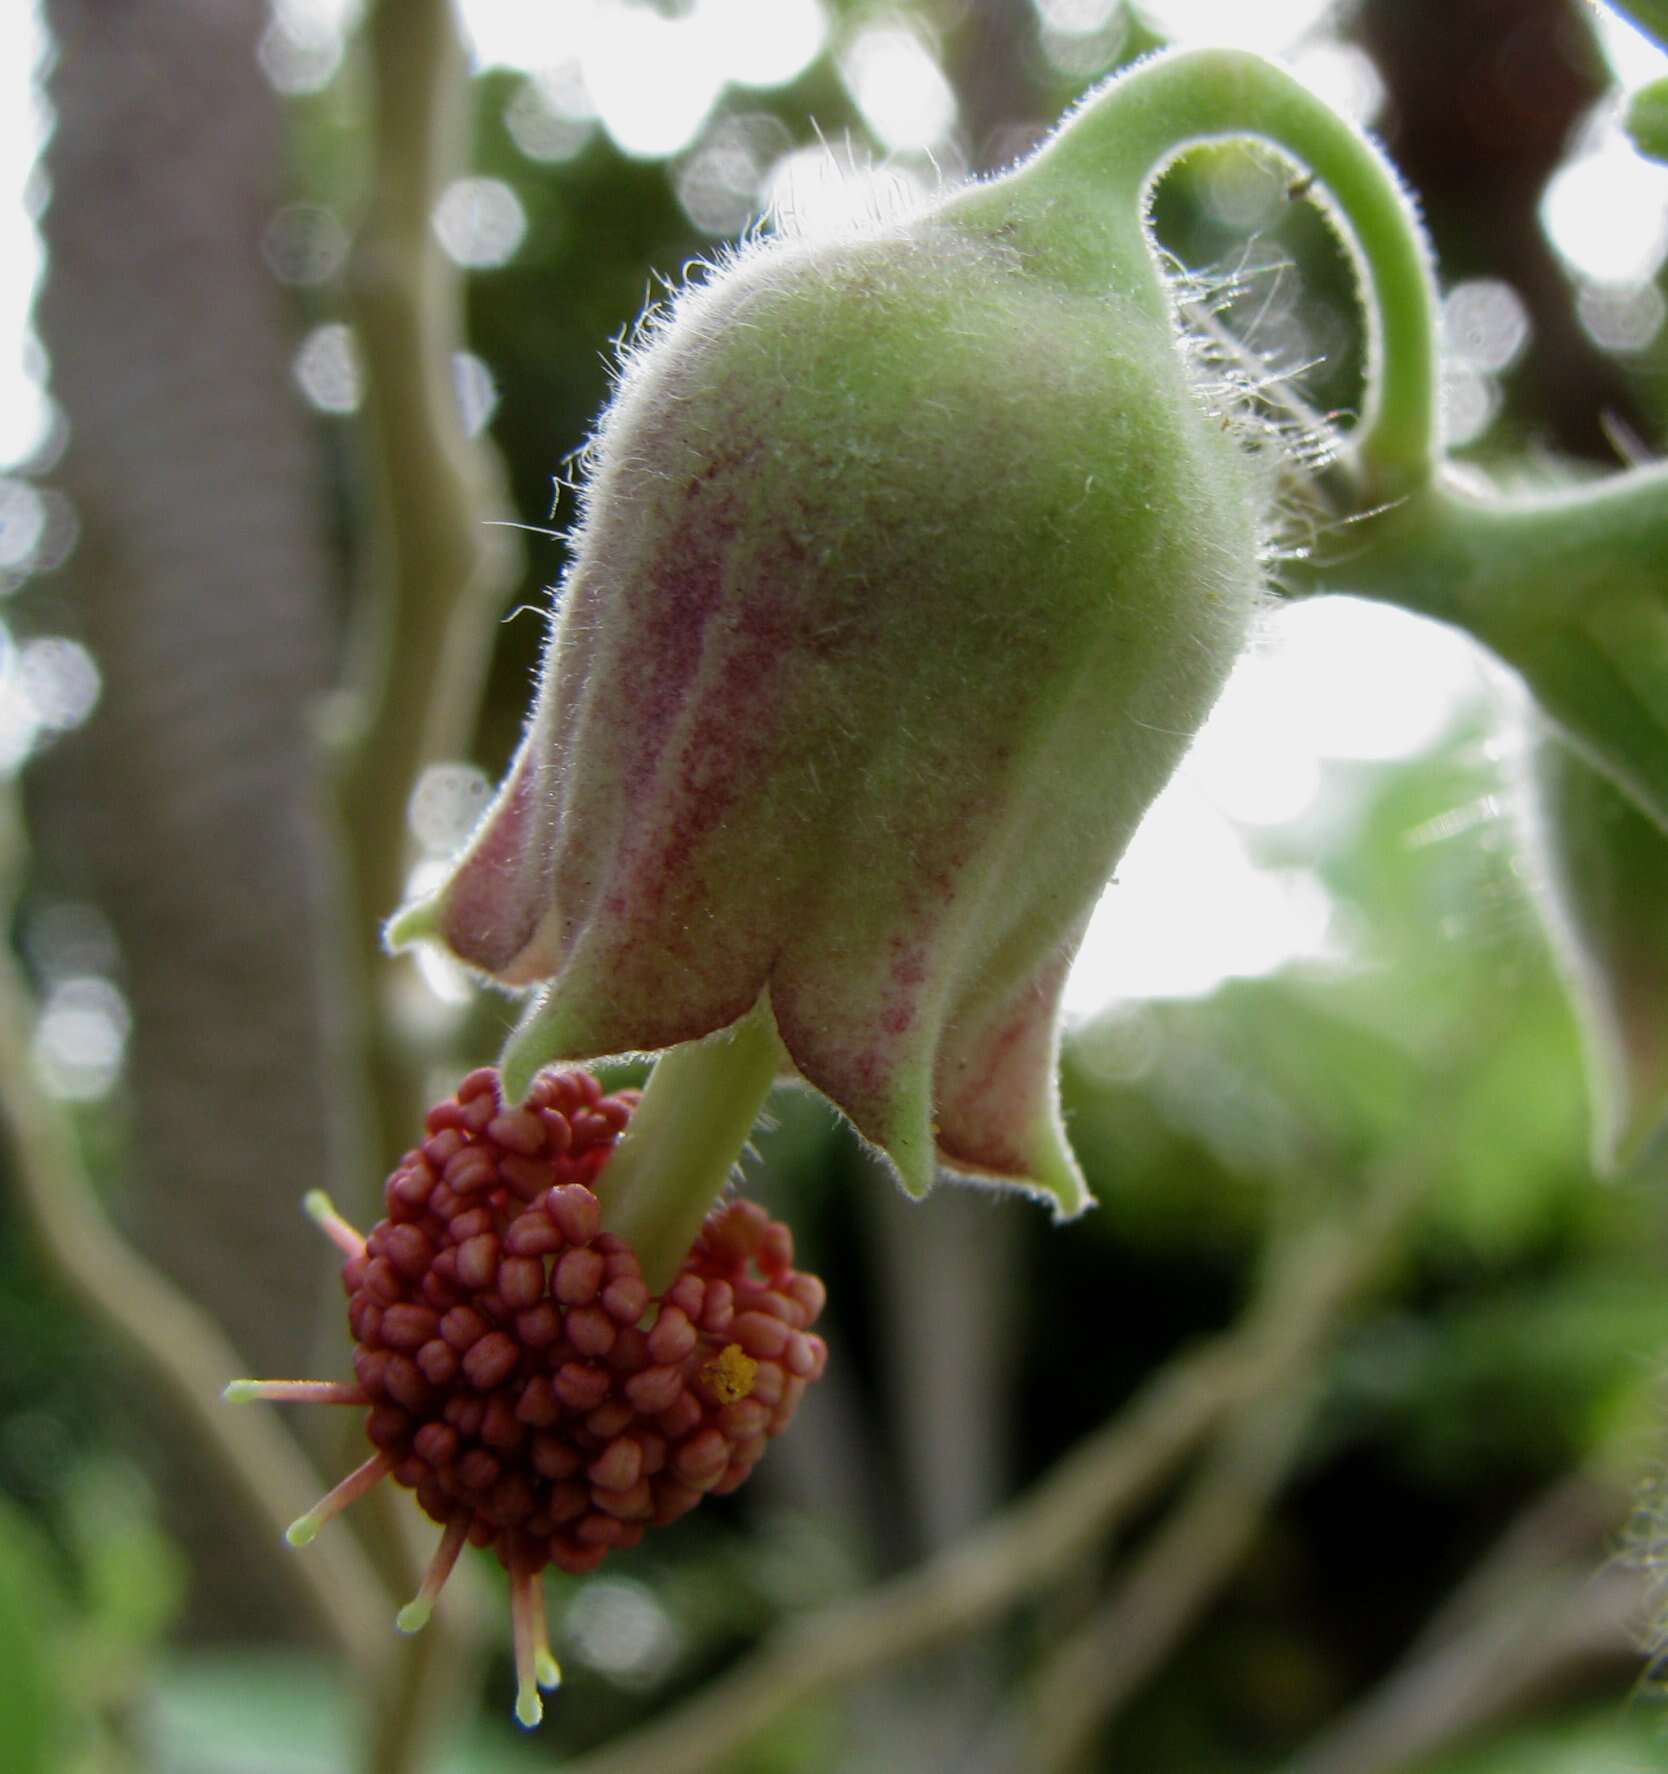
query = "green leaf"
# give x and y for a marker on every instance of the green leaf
(1647, 120)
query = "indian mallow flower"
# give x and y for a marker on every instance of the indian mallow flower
(909, 562)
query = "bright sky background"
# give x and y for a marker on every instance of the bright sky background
(1338, 681)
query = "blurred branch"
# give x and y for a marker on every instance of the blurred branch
(1575, 1521)
(1175, 1578)
(434, 576)
(435, 571)
(1531, 1620)
(1516, 1658)
(180, 1345)
(201, 584)
(1037, 1541)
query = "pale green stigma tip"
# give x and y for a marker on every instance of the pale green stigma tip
(529, 1708)
(317, 1205)
(304, 1530)
(413, 923)
(414, 1616)
(241, 1391)
(547, 1671)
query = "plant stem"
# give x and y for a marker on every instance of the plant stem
(434, 573)
(433, 576)
(1180, 1571)
(1569, 587)
(1131, 130)
(684, 1140)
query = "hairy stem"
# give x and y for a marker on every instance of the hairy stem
(1130, 131)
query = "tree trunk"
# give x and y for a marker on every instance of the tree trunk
(202, 584)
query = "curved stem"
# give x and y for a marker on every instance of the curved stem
(433, 572)
(1134, 128)
(432, 578)
(684, 1140)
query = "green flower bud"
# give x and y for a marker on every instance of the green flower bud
(910, 562)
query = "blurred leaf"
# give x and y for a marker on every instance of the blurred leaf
(132, 1575)
(1514, 1150)
(1647, 120)
(1603, 889)
(31, 1611)
(283, 1713)
(1609, 1741)
(1530, 1378)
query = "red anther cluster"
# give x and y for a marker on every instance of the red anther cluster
(519, 1373)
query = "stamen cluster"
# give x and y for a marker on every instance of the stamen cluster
(521, 1379)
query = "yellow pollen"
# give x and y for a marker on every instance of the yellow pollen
(729, 1376)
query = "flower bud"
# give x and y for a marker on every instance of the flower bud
(910, 562)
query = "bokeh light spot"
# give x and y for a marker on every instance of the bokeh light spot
(446, 804)
(1078, 18)
(541, 128)
(1271, 26)
(1485, 324)
(305, 245)
(480, 223)
(900, 89)
(1342, 74)
(1470, 402)
(765, 42)
(1621, 317)
(22, 521)
(327, 368)
(1607, 213)
(654, 78)
(303, 44)
(477, 391)
(621, 1630)
(722, 184)
(81, 1038)
(60, 681)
